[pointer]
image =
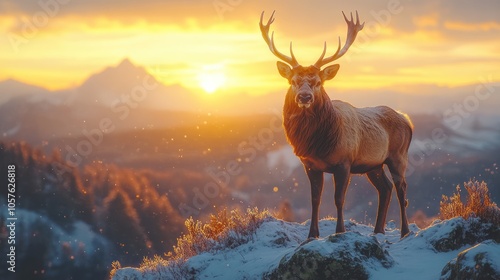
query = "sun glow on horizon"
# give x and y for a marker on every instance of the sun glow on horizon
(211, 78)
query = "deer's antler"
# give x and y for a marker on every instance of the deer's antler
(270, 42)
(352, 31)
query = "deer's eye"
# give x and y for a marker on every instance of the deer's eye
(317, 84)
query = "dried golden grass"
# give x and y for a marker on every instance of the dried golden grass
(223, 230)
(477, 204)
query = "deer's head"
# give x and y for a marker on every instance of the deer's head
(307, 82)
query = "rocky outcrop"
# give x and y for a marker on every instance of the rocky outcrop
(478, 262)
(339, 256)
(456, 233)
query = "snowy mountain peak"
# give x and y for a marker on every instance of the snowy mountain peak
(126, 63)
(106, 86)
(116, 75)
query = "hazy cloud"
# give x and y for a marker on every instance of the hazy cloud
(462, 26)
(294, 21)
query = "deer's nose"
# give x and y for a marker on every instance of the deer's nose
(304, 98)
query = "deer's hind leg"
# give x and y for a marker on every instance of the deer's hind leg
(397, 168)
(384, 187)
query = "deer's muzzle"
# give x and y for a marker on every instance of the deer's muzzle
(304, 99)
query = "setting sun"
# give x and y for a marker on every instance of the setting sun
(211, 79)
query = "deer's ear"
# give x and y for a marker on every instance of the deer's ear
(285, 70)
(329, 72)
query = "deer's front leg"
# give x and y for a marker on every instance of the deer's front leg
(341, 177)
(316, 179)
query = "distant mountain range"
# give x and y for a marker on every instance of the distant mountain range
(10, 89)
(124, 83)
(132, 85)
(126, 94)
(131, 98)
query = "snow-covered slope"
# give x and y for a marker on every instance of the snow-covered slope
(75, 246)
(421, 255)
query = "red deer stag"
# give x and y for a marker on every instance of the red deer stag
(335, 137)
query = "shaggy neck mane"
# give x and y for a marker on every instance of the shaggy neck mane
(313, 131)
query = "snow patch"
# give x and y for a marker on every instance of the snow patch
(412, 257)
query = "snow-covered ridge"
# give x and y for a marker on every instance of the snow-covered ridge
(423, 254)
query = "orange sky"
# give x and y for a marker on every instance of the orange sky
(59, 43)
